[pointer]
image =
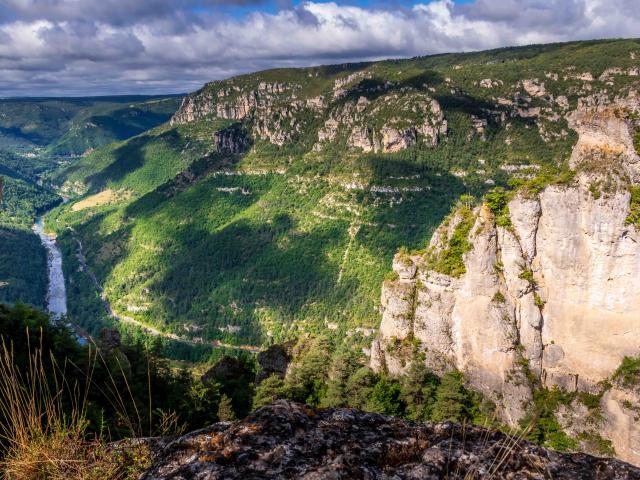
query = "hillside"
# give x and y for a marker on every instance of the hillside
(273, 203)
(71, 126)
(21, 200)
(38, 136)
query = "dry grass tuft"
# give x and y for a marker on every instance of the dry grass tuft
(43, 427)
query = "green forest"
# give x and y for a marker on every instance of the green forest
(259, 247)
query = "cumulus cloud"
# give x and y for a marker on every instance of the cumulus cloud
(70, 47)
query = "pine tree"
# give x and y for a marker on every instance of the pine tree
(359, 386)
(343, 365)
(226, 412)
(418, 390)
(450, 399)
(270, 389)
(385, 398)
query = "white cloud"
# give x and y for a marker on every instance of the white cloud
(118, 46)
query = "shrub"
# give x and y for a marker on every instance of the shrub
(541, 425)
(597, 443)
(628, 373)
(527, 274)
(498, 202)
(391, 276)
(450, 260)
(537, 300)
(634, 207)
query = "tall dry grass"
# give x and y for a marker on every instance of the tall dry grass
(44, 427)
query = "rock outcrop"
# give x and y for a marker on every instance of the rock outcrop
(273, 361)
(231, 140)
(289, 441)
(386, 123)
(546, 295)
(270, 109)
(372, 118)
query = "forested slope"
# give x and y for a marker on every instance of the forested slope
(273, 202)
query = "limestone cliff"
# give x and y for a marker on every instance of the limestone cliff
(359, 113)
(546, 293)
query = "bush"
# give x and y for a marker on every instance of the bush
(541, 425)
(498, 202)
(450, 261)
(527, 274)
(628, 373)
(597, 443)
(391, 276)
(633, 218)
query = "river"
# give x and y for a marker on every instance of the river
(56, 291)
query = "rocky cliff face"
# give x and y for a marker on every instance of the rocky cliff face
(387, 123)
(546, 294)
(286, 440)
(365, 115)
(271, 109)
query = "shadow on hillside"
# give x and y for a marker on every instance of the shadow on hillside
(463, 102)
(199, 169)
(127, 122)
(376, 87)
(128, 158)
(23, 267)
(408, 217)
(228, 277)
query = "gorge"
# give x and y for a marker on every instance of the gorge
(449, 238)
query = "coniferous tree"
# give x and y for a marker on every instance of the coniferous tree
(358, 387)
(450, 399)
(343, 365)
(385, 397)
(270, 389)
(225, 410)
(418, 390)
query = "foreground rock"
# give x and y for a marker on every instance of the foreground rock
(287, 440)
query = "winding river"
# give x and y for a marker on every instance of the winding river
(56, 291)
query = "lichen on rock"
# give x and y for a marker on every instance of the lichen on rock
(290, 441)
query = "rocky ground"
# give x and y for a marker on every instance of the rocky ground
(287, 440)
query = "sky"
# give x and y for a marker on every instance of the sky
(103, 47)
